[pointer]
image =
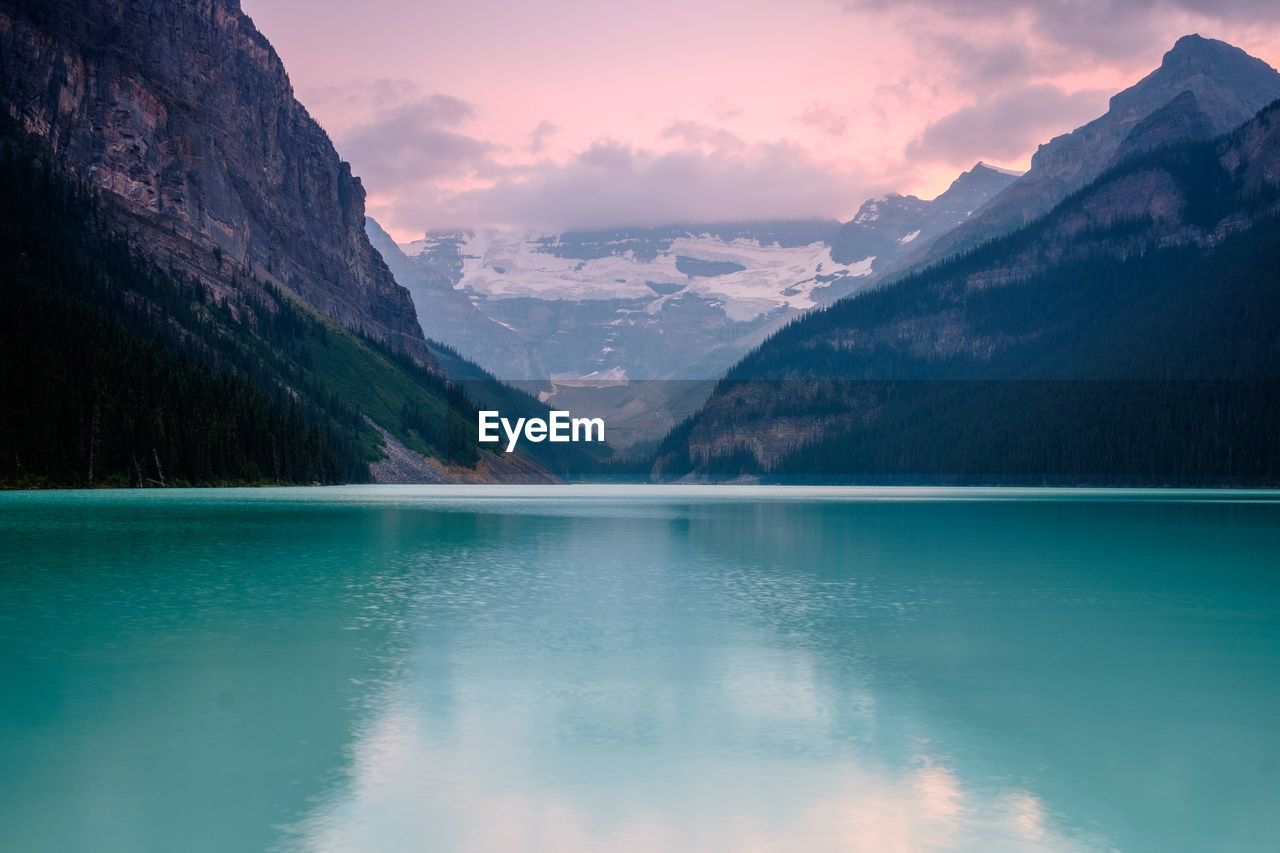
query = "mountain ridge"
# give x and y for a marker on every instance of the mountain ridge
(1228, 86)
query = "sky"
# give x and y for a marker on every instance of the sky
(607, 113)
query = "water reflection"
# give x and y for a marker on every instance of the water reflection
(352, 670)
(700, 677)
(409, 793)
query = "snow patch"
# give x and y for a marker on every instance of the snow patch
(500, 264)
(861, 268)
(1009, 172)
(869, 212)
(613, 374)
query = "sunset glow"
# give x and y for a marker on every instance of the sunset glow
(581, 114)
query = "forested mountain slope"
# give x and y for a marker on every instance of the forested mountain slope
(1130, 335)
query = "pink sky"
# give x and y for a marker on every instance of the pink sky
(573, 113)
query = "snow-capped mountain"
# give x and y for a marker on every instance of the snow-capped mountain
(448, 315)
(681, 302)
(675, 302)
(748, 279)
(895, 227)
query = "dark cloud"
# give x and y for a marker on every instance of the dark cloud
(979, 63)
(1084, 10)
(611, 184)
(1005, 126)
(1111, 29)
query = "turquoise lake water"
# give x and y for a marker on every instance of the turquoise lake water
(639, 668)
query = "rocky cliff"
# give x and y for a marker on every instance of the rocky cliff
(182, 115)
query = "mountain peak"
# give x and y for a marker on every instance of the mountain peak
(983, 165)
(1230, 84)
(983, 178)
(1194, 55)
(1203, 87)
(1196, 46)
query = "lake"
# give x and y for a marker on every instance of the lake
(639, 668)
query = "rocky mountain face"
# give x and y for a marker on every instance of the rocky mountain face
(1180, 120)
(447, 314)
(891, 228)
(191, 295)
(182, 115)
(1202, 88)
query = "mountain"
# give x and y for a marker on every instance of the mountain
(188, 293)
(652, 303)
(631, 324)
(685, 302)
(1202, 88)
(447, 314)
(889, 229)
(183, 116)
(628, 324)
(1128, 336)
(1180, 120)
(674, 302)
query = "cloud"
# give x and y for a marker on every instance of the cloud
(826, 118)
(722, 109)
(612, 184)
(982, 61)
(959, 81)
(361, 95)
(1005, 126)
(538, 139)
(416, 141)
(607, 156)
(1079, 29)
(697, 134)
